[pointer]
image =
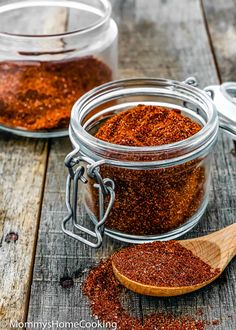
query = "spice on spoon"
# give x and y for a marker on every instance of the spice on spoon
(151, 201)
(162, 264)
(39, 95)
(105, 297)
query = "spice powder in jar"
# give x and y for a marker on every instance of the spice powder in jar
(154, 201)
(39, 95)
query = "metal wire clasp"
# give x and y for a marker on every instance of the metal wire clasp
(223, 97)
(192, 81)
(106, 188)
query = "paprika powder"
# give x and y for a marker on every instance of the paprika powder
(143, 150)
(151, 201)
(162, 264)
(105, 297)
(39, 95)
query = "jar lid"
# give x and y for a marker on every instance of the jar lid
(224, 97)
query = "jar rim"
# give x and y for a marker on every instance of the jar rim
(205, 137)
(66, 4)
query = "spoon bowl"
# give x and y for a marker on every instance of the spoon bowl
(216, 249)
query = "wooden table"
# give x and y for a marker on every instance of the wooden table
(160, 38)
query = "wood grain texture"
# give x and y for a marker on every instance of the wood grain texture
(164, 39)
(22, 171)
(161, 38)
(22, 165)
(221, 22)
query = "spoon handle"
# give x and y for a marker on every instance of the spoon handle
(226, 239)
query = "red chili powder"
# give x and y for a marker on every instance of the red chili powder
(166, 264)
(158, 200)
(105, 292)
(147, 125)
(40, 95)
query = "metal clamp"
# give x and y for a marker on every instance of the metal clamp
(191, 81)
(105, 187)
(224, 98)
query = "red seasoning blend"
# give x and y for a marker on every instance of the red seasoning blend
(162, 264)
(151, 201)
(45, 67)
(105, 297)
(40, 95)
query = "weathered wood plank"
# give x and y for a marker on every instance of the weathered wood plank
(22, 166)
(221, 22)
(164, 38)
(22, 169)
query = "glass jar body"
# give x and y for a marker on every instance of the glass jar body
(153, 203)
(160, 192)
(49, 64)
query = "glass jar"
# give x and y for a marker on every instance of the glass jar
(138, 194)
(51, 53)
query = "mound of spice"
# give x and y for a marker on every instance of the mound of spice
(166, 264)
(105, 297)
(40, 95)
(147, 125)
(151, 201)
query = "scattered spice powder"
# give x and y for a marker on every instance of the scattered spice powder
(40, 95)
(105, 292)
(167, 264)
(153, 201)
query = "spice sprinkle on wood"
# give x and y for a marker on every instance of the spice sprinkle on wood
(105, 297)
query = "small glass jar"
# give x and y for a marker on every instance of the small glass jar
(51, 53)
(138, 194)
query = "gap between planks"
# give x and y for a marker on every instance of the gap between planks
(210, 40)
(31, 272)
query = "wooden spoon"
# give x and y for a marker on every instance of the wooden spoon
(216, 249)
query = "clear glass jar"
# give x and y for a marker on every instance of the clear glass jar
(138, 194)
(51, 53)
